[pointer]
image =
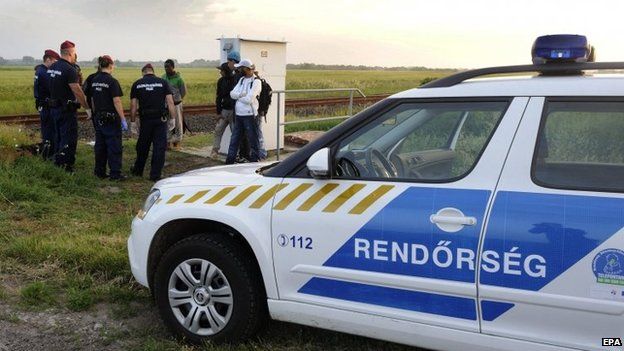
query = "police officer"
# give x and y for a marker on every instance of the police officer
(108, 119)
(42, 96)
(87, 84)
(153, 99)
(66, 97)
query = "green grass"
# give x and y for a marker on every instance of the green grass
(14, 136)
(318, 112)
(199, 140)
(38, 295)
(76, 226)
(16, 83)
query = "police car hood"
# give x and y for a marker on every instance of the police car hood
(229, 175)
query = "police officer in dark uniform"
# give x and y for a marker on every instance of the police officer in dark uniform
(41, 92)
(108, 120)
(66, 97)
(87, 84)
(153, 99)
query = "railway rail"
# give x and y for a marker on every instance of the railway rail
(29, 119)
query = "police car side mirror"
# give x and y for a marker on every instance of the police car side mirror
(318, 164)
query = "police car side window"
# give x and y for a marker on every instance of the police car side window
(580, 146)
(430, 141)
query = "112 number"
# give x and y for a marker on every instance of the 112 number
(295, 241)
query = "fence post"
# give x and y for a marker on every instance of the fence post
(350, 103)
(279, 105)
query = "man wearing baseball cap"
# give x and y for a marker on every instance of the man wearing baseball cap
(41, 92)
(246, 94)
(233, 58)
(66, 97)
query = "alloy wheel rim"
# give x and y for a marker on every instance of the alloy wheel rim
(200, 296)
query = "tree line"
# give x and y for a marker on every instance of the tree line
(31, 61)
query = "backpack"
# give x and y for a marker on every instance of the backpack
(264, 99)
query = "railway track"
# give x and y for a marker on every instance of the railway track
(211, 109)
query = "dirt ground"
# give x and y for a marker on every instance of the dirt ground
(62, 330)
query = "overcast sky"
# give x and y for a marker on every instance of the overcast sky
(434, 33)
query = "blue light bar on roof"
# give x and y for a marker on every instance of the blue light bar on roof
(561, 48)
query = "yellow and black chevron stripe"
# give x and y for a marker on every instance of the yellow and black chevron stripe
(263, 196)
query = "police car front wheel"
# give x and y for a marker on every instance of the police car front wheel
(206, 290)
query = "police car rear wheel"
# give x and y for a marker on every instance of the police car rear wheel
(206, 290)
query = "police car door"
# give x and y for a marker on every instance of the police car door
(552, 267)
(395, 231)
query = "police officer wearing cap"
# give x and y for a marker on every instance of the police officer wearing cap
(66, 97)
(153, 99)
(42, 96)
(108, 119)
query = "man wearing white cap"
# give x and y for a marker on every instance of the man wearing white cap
(246, 94)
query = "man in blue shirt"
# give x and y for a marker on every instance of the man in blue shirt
(41, 91)
(66, 97)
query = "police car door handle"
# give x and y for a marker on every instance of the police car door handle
(451, 220)
(438, 219)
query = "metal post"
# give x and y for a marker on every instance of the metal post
(350, 103)
(279, 105)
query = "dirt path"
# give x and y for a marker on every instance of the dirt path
(55, 329)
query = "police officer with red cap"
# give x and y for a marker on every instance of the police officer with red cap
(153, 99)
(66, 97)
(108, 119)
(41, 92)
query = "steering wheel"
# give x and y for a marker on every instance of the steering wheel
(347, 168)
(379, 165)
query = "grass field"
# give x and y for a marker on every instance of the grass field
(16, 95)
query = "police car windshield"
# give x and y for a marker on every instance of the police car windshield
(376, 136)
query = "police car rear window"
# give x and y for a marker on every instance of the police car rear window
(580, 146)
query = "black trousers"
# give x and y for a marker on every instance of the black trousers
(108, 148)
(66, 135)
(152, 132)
(48, 139)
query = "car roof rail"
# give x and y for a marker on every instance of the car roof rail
(558, 69)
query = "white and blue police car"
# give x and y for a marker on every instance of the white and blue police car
(468, 214)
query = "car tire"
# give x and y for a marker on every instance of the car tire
(216, 263)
